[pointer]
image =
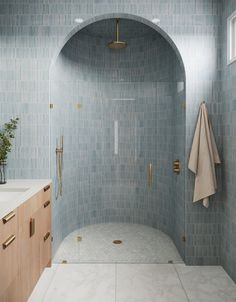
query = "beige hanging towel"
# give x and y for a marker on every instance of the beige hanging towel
(203, 157)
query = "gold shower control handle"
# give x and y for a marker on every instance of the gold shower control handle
(150, 175)
(176, 166)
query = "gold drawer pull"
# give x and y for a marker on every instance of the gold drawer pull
(8, 217)
(46, 204)
(32, 226)
(46, 236)
(46, 188)
(8, 241)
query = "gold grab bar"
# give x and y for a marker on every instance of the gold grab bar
(8, 241)
(46, 204)
(46, 236)
(150, 175)
(8, 217)
(32, 226)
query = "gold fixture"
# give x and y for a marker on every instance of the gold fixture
(51, 106)
(59, 165)
(150, 175)
(64, 262)
(32, 226)
(79, 238)
(117, 241)
(170, 261)
(183, 104)
(8, 217)
(117, 44)
(46, 236)
(46, 204)
(176, 166)
(8, 241)
(78, 106)
(46, 188)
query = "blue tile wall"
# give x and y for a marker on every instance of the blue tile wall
(228, 246)
(30, 34)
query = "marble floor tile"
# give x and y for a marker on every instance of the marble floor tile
(206, 283)
(140, 244)
(148, 283)
(43, 284)
(82, 283)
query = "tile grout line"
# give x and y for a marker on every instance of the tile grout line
(44, 295)
(182, 284)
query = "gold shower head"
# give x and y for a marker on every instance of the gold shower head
(117, 44)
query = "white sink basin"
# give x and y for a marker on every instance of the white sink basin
(8, 194)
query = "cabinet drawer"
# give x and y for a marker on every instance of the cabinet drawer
(29, 208)
(8, 261)
(8, 225)
(45, 250)
(46, 193)
(45, 238)
(29, 255)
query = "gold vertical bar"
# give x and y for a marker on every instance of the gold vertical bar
(150, 175)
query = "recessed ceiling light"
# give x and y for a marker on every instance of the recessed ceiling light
(79, 20)
(156, 20)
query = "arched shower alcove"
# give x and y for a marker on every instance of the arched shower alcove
(122, 116)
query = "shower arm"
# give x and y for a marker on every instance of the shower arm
(117, 30)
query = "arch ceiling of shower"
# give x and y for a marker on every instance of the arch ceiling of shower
(122, 16)
(90, 28)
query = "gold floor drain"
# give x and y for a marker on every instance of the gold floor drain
(117, 241)
(79, 238)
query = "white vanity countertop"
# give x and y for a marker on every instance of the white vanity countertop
(17, 191)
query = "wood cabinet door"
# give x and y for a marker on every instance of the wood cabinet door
(11, 294)
(8, 263)
(8, 251)
(29, 254)
(45, 239)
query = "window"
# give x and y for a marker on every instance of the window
(232, 38)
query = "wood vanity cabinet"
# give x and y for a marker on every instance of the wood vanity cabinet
(8, 257)
(30, 252)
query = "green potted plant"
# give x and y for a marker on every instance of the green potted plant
(7, 133)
